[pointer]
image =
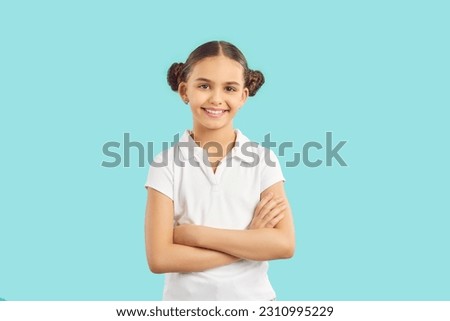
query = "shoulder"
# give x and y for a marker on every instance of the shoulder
(163, 158)
(169, 155)
(254, 151)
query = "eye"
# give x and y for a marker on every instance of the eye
(203, 86)
(229, 88)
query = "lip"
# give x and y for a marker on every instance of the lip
(224, 111)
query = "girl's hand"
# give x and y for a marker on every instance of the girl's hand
(268, 212)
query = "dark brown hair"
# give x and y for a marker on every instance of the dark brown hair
(178, 72)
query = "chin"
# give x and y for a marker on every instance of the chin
(214, 126)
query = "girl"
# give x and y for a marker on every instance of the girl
(216, 208)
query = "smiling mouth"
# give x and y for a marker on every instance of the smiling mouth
(215, 112)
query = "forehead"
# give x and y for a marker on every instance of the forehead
(218, 69)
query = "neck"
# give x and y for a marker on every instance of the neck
(224, 136)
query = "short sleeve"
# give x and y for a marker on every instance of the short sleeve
(270, 170)
(160, 174)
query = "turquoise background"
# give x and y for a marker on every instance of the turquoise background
(77, 74)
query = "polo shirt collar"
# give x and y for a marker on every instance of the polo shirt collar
(189, 149)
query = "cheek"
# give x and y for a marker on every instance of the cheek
(234, 101)
(198, 98)
(194, 108)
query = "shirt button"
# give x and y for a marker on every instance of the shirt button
(215, 188)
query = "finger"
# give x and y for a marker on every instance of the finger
(272, 214)
(258, 220)
(275, 221)
(271, 205)
(262, 203)
(256, 224)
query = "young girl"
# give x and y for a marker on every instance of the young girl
(216, 208)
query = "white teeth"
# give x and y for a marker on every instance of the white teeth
(215, 112)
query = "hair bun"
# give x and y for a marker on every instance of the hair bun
(255, 79)
(173, 75)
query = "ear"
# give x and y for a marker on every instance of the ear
(182, 91)
(244, 96)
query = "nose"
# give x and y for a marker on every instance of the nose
(216, 98)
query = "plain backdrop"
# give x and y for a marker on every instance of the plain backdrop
(75, 75)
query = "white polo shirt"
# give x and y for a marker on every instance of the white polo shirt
(224, 199)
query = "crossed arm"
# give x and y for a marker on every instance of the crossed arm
(193, 248)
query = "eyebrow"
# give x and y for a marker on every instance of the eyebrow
(227, 83)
